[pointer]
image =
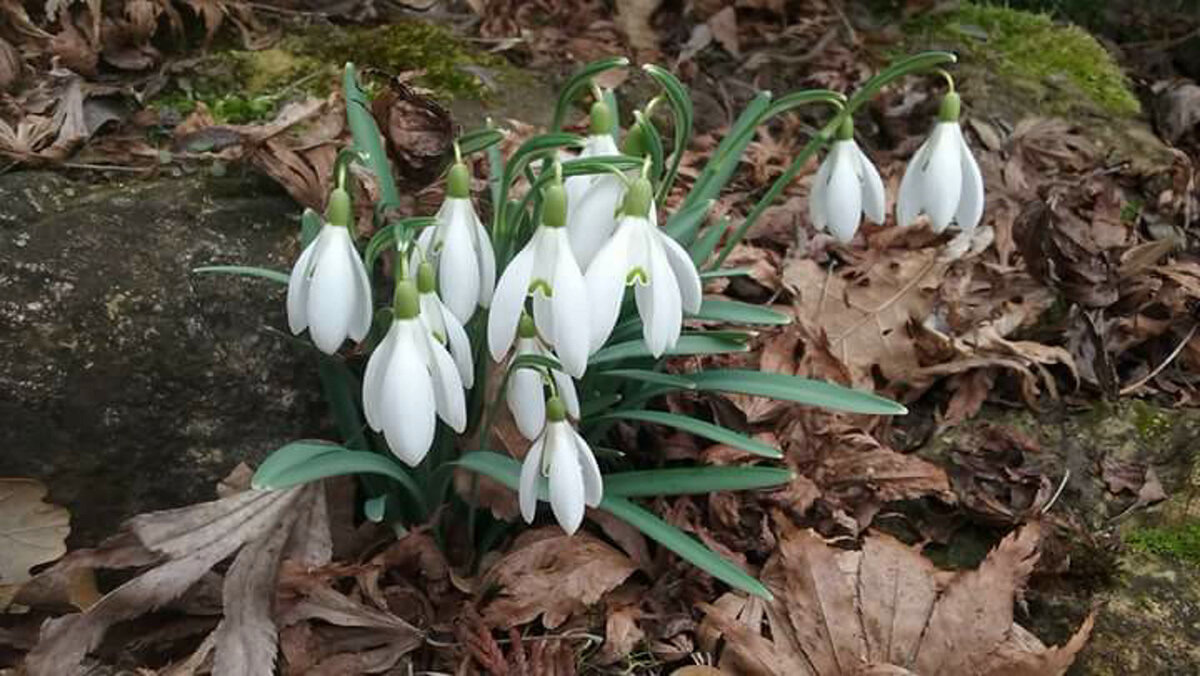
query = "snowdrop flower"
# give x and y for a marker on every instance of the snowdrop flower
(545, 269)
(942, 179)
(328, 292)
(665, 280)
(592, 200)
(443, 325)
(460, 249)
(564, 457)
(410, 381)
(526, 395)
(847, 186)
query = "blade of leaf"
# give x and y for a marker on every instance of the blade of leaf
(793, 388)
(245, 271)
(734, 312)
(652, 377)
(701, 428)
(580, 81)
(692, 344)
(368, 139)
(288, 456)
(693, 481)
(681, 108)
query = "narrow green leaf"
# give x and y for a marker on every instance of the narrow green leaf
(579, 81)
(310, 227)
(610, 97)
(691, 344)
(341, 389)
(683, 225)
(701, 428)
(344, 463)
(802, 98)
(734, 312)
(387, 236)
(535, 362)
(479, 140)
(725, 272)
(288, 456)
(508, 471)
(693, 481)
(793, 388)
(368, 140)
(681, 109)
(724, 161)
(246, 271)
(905, 66)
(654, 148)
(592, 405)
(707, 242)
(652, 377)
(684, 545)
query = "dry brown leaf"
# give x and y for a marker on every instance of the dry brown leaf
(724, 27)
(11, 65)
(32, 532)
(633, 17)
(884, 609)
(192, 540)
(554, 577)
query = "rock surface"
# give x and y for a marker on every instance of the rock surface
(127, 382)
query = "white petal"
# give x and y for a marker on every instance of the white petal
(458, 274)
(486, 260)
(942, 187)
(431, 315)
(361, 319)
(408, 406)
(591, 221)
(817, 199)
(566, 477)
(686, 275)
(572, 327)
(447, 386)
(531, 470)
(659, 303)
(297, 295)
(425, 245)
(526, 400)
(605, 281)
(377, 366)
(593, 482)
(460, 347)
(844, 207)
(874, 198)
(908, 202)
(566, 391)
(509, 301)
(331, 304)
(971, 201)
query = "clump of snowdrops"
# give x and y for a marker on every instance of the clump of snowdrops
(573, 296)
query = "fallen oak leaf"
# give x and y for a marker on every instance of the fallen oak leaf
(32, 532)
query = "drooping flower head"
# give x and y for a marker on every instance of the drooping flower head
(847, 187)
(561, 455)
(942, 180)
(443, 325)
(411, 380)
(592, 200)
(460, 249)
(663, 275)
(526, 395)
(328, 292)
(546, 270)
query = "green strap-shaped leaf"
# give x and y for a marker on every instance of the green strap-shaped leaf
(341, 463)
(479, 140)
(701, 428)
(722, 163)
(734, 312)
(681, 109)
(386, 237)
(508, 471)
(793, 388)
(310, 227)
(652, 377)
(245, 271)
(690, 344)
(693, 481)
(683, 225)
(579, 81)
(707, 242)
(725, 272)
(536, 362)
(288, 456)
(368, 140)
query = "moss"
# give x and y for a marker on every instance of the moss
(1054, 63)
(1154, 425)
(1179, 541)
(446, 60)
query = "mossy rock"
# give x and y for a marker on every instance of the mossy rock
(1015, 64)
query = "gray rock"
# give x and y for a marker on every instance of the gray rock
(128, 383)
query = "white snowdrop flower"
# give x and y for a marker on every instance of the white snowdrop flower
(443, 325)
(460, 249)
(592, 200)
(328, 292)
(545, 269)
(942, 180)
(526, 396)
(410, 381)
(665, 280)
(565, 458)
(847, 187)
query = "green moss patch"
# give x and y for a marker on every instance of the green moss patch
(1178, 541)
(1054, 63)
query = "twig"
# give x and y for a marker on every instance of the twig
(1054, 498)
(105, 167)
(1158, 369)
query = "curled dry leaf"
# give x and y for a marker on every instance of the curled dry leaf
(188, 542)
(555, 577)
(885, 609)
(32, 532)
